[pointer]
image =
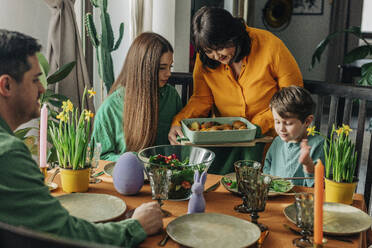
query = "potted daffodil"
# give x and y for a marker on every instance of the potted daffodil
(71, 138)
(340, 164)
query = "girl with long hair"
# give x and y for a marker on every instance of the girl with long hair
(141, 105)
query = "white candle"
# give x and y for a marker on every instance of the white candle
(43, 136)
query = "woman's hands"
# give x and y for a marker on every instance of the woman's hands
(304, 157)
(173, 133)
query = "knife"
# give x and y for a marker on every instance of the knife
(292, 178)
(213, 187)
(333, 238)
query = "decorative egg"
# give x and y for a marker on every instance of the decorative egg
(128, 174)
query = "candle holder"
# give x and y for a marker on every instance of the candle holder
(255, 197)
(249, 171)
(304, 218)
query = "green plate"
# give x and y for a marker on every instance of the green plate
(93, 207)
(338, 219)
(221, 136)
(212, 230)
(232, 176)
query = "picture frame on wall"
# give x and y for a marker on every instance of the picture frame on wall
(308, 7)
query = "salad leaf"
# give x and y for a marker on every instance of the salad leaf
(280, 185)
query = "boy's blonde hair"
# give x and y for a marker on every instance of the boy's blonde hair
(293, 102)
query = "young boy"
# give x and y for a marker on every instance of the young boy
(292, 153)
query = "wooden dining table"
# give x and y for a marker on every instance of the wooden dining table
(223, 201)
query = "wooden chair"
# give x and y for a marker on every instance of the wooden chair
(184, 80)
(327, 97)
(12, 236)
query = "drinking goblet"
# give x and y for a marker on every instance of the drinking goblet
(94, 156)
(248, 170)
(255, 193)
(304, 203)
(159, 180)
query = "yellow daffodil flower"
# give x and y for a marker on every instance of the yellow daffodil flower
(62, 116)
(346, 129)
(339, 131)
(311, 131)
(88, 114)
(67, 106)
(91, 92)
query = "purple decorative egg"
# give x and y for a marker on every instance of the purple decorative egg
(128, 174)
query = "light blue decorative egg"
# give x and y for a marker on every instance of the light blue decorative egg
(128, 174)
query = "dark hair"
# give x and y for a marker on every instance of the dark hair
(15, 48)
(140, 77)
(293, 101)
(216, 28)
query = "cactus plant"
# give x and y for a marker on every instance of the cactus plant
(103, 43)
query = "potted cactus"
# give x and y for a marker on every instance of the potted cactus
(103, 43)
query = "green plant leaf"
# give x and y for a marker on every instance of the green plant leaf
(59, 97)
(44, 67)
(357, 53)
(43, 63)
(57, 104)
(61, 73)
(366, 73)
(319, 50)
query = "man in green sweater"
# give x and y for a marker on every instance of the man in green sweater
(25, 200)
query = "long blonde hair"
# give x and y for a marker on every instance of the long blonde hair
(140, 77)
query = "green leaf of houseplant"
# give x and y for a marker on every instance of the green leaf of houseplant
(44, 67)
(61, 73)
(366, 72)
(357, 53)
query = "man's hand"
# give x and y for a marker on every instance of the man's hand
(173, 133)
(150, 217)
(304, 157)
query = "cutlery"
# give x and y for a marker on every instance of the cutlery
(262, 238)
(164, 240)
(98, 174)
(292, 178)
(213, 187)
(332, 238)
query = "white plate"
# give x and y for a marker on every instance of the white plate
(93, 207)
(213, 230)
(338, 219)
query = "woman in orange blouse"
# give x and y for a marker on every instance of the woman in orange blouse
(238, 69)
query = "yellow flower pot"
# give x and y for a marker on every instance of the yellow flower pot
(75, 180)
(339, 192)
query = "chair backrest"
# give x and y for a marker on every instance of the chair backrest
(336, 104)
(12, 236)
(184, 80)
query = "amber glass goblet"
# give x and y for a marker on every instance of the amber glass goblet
(249, 171)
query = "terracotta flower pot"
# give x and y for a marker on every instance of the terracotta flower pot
(339, 192)
(75, 180)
